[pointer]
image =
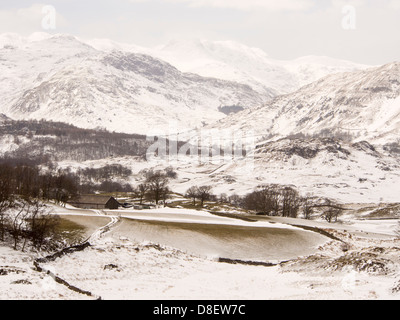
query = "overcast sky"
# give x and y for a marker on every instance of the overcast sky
(364, 31)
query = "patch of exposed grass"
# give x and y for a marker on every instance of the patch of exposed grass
(70, 231)
(390, 211)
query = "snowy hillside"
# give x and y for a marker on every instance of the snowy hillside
(323, 167)
(26, 63)
(345, 172)
(60, 78)
(364, 104)
(234, 61)
(127, 88)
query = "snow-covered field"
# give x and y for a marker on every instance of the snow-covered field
(364, 264)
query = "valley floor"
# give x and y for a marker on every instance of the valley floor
(355, 263)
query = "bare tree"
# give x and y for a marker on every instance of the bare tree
(16, 225)
(308, 207)
(273, 200)
(290, 202)
(41, 225)
(6, 197)
(65, 188)
(157, 183)
(235, 200)
(333, 211)
(192, 193)
(331, 214)
(204, 194)
(265, 201)
(141, 191)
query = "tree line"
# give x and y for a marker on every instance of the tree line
(28, 182)
(55, 141)
(280, 200)
(155, 188)
(23, 216)
(25, 187)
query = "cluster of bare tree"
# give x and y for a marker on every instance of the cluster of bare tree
(103, 179)
(23, 217)
(28, 222)
(28, 182)
(104, 173)
(285, 201)
(155, 188)
(274, 200)
(202, 193)
(51, 141)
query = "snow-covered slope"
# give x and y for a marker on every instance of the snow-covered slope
(61, 78)
(26, 62)
(343, 171)
(365, 104)
(234, 61)
(312, 68)
(347, 172)
(123, 87)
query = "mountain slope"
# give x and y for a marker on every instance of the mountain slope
(234, 61)
(365, 104)
(37, 142)
(347, 172)
(60, 78)
(130, 89)
(26, 62)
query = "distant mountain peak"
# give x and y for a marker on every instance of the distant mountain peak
(235, 61)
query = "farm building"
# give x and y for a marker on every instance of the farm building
(95, 202)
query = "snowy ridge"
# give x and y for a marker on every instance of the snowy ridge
(365, 104)
(60, 78)
(96, 83)
(235, 61)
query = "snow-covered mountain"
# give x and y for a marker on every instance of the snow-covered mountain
(123, 87)
(26, 62)
(234, 61)
(61, 78)
(364, 104)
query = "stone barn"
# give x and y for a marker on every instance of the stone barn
(95, 202)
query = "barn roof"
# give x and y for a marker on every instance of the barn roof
(93, 199)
